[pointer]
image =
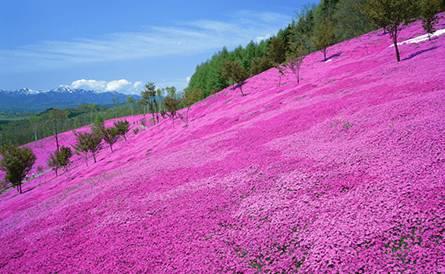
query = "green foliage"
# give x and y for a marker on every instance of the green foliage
(98, 126)
(16, 162)
(428, 12)
(259, 64)
(24, 129)
(171, 91)
(235, 73)
(172, 106)
(60, 159)
(122, 127)
(350, 19)
(391, 15)
(324, 35)
(148, 100)
(276, 53)
(88, 142)
(110, 136)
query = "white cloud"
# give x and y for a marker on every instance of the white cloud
(117, 85)
(183, 38)
(88, 84)
(137, 85)
(122, 85)
(187, 79)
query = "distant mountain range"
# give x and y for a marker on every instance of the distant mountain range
(28, 100)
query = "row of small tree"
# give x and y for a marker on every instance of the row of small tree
(91, 142)
(164, 103)
(17, 161)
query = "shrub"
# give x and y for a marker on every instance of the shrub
(16, 162)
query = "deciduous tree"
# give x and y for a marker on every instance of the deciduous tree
(16, 162)
(324, 36)
(122, 127)
(391, 15)
(428, 12)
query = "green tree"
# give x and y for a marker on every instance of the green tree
(88, 142)
(122, 127)
(259, 64)
(110, 136)
(235, 74)
(56, 118)
(60, 159)
(295, 58)
(324, 36)
(351, 20)
(428, 12)
(391, 15)
(172, 106)
(171, 91)
(81, 146)
(148, 99)
(131, 103)
(16, 162)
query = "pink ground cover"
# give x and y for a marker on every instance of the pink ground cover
(342, 173)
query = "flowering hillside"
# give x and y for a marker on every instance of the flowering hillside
(343, 172)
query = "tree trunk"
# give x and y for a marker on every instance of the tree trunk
(57, 137)
(279, 81)
(241, 89)
(111, 147)
(94, 156)
(153, 117)
(396, 45)
(298, 75)
(325, 52)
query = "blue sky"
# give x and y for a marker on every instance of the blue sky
(118, 45)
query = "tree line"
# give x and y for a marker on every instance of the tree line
(37, 126)
(315, 29)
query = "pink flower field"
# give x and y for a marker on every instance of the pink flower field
(344, 172)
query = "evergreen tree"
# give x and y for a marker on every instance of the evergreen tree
(350, 19)
(235, 73)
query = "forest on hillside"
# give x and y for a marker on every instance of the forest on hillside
(314, 29)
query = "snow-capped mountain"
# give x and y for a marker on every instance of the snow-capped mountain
(29, 100)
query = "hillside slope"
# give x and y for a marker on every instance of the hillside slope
(344, 172)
